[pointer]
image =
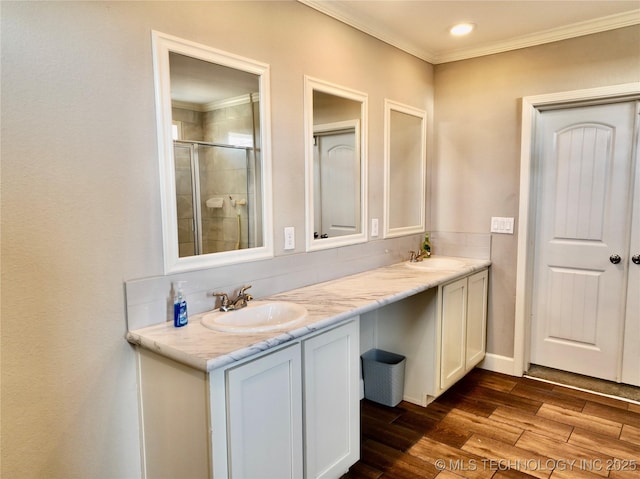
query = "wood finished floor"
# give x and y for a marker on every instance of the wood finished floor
(491, 425)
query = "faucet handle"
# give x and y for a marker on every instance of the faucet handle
(243, 294)
(412, 258)
(224, 298)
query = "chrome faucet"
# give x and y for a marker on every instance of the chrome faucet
(242, 298)
(417, 257)
(239, 302)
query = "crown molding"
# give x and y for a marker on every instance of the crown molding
(216, 105)
(574, 30)
(343, 14)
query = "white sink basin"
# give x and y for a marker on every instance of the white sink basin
(436, 264)
(256, 317)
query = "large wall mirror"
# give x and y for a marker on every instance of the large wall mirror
(213, 133)
(336, 165)
(404, 169)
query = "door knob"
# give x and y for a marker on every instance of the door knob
(636, 258)
(615, 259)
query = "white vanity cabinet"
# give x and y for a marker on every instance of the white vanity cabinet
(462, 308)
(440, 331)
(311, 386)
(332, 401)
(174, 408)
(264, 417)
(477, 297)
(291, 412)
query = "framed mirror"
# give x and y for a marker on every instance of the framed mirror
(405, 164)
(213, 142)
(336, 165)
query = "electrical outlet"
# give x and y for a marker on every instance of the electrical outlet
(374, 227)
(289, 238)
(501, 225)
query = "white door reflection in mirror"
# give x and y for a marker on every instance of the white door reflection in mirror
(404, 170)
(335, 131)
(337, 166)
(213, 134)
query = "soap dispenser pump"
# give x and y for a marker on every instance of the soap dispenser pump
(180, 316)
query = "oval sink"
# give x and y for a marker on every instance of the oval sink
(256, 317)
(436, 264)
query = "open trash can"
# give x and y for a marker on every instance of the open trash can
(383, 374)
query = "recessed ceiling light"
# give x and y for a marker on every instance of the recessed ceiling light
(462, 29)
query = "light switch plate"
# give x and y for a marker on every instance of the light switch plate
(501, 225)
(374, 227)
(289, 238)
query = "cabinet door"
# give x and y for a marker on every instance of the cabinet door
(476, 318)
(332, 401)
(264, 416)
(453, 332)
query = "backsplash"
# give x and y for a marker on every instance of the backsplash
(466, 245)
(149, 301)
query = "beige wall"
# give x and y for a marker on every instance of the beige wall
(81, 198)
(80, 187)
(476, 165)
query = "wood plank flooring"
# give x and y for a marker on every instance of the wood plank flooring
(496, 426)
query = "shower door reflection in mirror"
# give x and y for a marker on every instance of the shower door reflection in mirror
(215, 197)
(213, 130)
(404, 170)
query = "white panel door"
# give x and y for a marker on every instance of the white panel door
(339, 164)
(583, 222)
(631, 351)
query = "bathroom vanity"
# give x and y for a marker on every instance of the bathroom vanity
(222, 401)
(285, 403)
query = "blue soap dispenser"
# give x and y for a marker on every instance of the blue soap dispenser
(180, 317)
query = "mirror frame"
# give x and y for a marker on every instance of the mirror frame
(162, 44)
(310, 85)
(389, 106)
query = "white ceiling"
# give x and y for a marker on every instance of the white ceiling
(192, 81)
(421, 27)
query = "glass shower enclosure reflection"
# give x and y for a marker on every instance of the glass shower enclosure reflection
(217, 197)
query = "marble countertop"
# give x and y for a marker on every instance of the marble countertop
(328, 304)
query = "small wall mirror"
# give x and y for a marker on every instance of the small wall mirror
(336, 165)
(213, 133)
(404, 169)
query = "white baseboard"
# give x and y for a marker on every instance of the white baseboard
(499, 364)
